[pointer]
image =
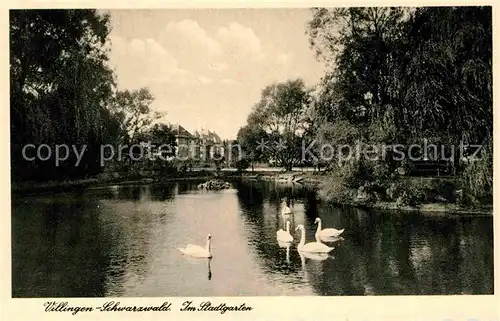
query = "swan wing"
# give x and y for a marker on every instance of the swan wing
(315, 256)
(194, 250)
(330, 239)
(331, 232)
(316, 247)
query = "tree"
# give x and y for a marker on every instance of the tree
(361, 46)
(135, 116)
(449, 73)
(218, 159)
(60, 87)
(160, 143)
(402, 75)
(282, 114)
(133, 109)
(449, 92)
(428, 69)
(250, 137)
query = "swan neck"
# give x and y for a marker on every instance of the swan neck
(288, 226)
(208, 246)
(319, 227)
(302, 237)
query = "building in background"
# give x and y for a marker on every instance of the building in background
(185, 142)
(201, 146)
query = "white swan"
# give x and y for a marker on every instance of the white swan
(327, 232)
(284, 236)
(285, 209)
(312, 247)
(198, 251)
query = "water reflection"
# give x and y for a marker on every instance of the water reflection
(122, 240)
(45, 239)
(209, 269)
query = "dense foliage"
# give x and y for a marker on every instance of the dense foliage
(278, 124)
(63, 93)
(399, 76)
(394, 76)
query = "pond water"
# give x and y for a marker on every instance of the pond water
(122, 241)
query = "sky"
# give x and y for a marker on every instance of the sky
(206, 68)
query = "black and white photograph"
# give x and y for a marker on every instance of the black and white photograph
(251, 152)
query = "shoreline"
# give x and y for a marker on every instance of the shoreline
(428, 208)
(27, 188)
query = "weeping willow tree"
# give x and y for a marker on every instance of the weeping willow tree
(60, 87)
(404, 74)
(431, 66)
(448, 73)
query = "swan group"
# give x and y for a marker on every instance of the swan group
(317, 250)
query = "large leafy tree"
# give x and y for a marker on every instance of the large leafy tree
(60, 87)
(402, 75)
(282, 113)
(427, 71)
(160, 145)
(360, 45)
(448, 71)
(132, 108)
(251, 138)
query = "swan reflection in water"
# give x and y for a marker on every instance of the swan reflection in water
(328, 239)
(312, 265)
(286, 245)
(315, 256)
(209, 260)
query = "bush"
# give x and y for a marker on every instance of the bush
(242, 164)
(334, 189)
(410, 196)
(360, 180)
(477, 178)
(377, 189)
(405, 194)
(468, 200)
(356, 173)
(446, 189)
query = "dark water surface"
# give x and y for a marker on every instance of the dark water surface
(122, 241)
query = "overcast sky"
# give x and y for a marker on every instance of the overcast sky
(206, 68)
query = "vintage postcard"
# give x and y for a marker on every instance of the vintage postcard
(249, 161)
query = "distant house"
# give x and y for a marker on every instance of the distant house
(200, 146)
(185, 141)
(209, 142)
